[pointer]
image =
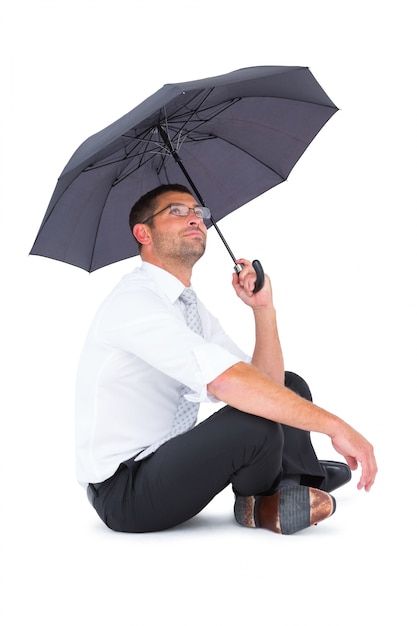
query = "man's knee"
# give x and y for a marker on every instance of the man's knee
(298, 385)
(256, 430)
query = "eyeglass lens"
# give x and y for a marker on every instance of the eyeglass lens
(183, 210)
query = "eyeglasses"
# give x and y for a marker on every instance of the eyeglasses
(182, 210)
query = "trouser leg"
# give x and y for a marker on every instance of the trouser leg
(184, 475)
(299, 457)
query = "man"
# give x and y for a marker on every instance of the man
(152, 355)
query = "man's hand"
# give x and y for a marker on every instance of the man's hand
(244, 284)
(356, 449)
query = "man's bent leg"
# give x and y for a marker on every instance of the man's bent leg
(293, 506)
(176, 482)
(299, 457)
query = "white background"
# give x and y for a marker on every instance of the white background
(338, 240)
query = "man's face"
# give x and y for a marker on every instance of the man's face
(182, 238)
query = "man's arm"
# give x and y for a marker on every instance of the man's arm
(267, 354)
(259, 388)
(244, 387)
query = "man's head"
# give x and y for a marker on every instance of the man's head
(145, 207)
(167, 222)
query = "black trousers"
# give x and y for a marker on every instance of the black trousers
(178, 480)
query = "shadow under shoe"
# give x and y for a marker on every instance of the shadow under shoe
(287, 511)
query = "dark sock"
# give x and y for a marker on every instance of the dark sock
(289, 480)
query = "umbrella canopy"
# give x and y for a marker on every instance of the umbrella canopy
(232, 137)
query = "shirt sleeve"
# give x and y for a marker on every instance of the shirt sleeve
(146, 324)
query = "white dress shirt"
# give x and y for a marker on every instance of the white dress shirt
(137, 354)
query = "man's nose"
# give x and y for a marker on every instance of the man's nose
(193, 218)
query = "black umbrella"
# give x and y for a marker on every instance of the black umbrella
(231, 138)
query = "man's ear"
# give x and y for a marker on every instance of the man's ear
(141, 233)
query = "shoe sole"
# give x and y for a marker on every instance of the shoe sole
(286, 512)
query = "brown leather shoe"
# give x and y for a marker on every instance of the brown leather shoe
(287, 511)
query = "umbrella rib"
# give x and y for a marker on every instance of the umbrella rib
(153, 147)
(127, 155)
(197, 112)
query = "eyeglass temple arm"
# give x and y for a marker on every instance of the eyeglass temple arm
(260, 278)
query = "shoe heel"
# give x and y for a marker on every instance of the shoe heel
(293, 508)
(245, 511)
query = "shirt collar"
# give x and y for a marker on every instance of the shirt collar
(170, 285)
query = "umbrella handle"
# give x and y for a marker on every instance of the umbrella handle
(260, 276)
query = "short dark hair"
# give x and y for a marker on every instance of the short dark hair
(145, 206)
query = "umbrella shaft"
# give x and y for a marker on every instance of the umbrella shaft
(223, 239)
(177, 158)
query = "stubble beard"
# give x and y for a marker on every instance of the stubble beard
(186, 251)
